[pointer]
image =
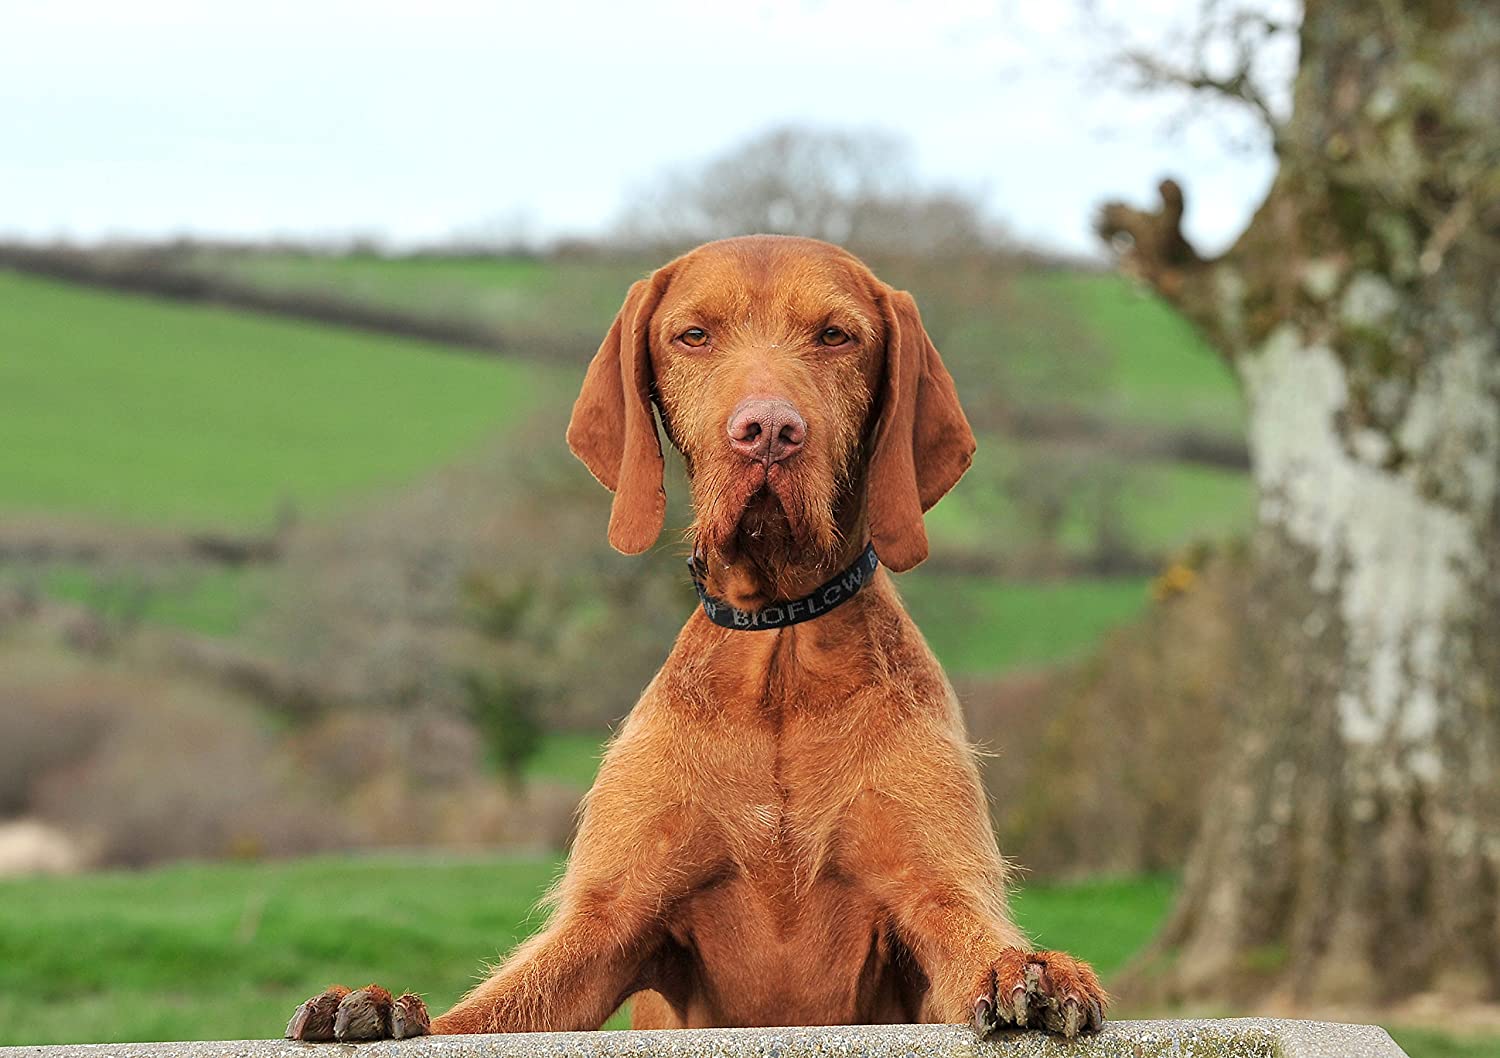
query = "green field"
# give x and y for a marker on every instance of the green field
(569, 757)
(1155, 506)
(213, 600)
(149, 412)
(990, 626)
(1429, 1043)
(131, 411)
(128, 412)
(227, 951)
(1161, 371)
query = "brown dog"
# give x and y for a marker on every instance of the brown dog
(789, 828)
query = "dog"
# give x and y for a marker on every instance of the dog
(789, 828)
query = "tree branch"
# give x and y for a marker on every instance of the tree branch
(1151, 244)
(1225, 57)
(1238, 86)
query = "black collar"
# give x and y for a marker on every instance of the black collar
(819, 601)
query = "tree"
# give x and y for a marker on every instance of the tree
(1350, 849)
(856, 188)
(507, 712)
(505, 702)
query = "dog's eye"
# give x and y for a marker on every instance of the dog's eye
(833, 336)
(694, 336)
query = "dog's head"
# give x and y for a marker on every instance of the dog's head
(794, 383)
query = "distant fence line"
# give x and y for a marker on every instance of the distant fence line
(43, 542)
(1186, 445)
(152, 272)
(39, 541)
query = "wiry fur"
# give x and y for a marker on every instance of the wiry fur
(789, 827)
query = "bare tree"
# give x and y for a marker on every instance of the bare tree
(855, 188)
(1351, 848)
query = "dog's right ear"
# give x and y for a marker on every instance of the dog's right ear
(613, 429)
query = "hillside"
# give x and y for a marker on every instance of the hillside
(133, 412)
(141, 411)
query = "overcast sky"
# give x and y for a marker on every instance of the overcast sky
(413, 121)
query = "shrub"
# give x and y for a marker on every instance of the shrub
(1102, 767)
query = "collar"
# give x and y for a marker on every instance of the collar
(819, 601)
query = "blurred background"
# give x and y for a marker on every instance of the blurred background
(309, 634)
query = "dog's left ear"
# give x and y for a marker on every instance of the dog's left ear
(923, 443)
(613, 428)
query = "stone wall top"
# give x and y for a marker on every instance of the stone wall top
(1228, 1038)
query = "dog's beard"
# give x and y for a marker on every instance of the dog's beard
(808, 510)
(778, 517)
(720, 498)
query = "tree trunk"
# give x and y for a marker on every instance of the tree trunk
(1350, 850)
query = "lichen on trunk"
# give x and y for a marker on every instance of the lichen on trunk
(1399, 550)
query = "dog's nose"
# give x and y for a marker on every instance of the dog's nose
(766, 430)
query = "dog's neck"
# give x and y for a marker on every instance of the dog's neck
(765, 564)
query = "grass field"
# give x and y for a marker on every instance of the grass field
(131, 411)
(216, 601)
(974, 626)
(144, 411)
(1161, 370)
(227, 951)
(1156, 506)
(989, 626)
(1429, 1043)
(570, 757)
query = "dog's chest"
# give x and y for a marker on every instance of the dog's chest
(796, 746)
(784, 826)
(763, 956)
(782, 785)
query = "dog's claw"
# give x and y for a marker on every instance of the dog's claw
(1039, 990)
(409, 1017)
(984, 1015)
(1073, 1017)
(296, 1029)
(313, 1021)
(1019, 1006)
(364, 1015)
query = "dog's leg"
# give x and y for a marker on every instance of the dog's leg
(926, 846)
(573, 975)
(982, 971)
(652, 1010)
(638, 851)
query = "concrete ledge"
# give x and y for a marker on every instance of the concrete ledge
(1230, 1038)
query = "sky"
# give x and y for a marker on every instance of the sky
(412, 122)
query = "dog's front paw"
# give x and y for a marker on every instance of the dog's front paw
(1039, 990)
(367, 1014)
